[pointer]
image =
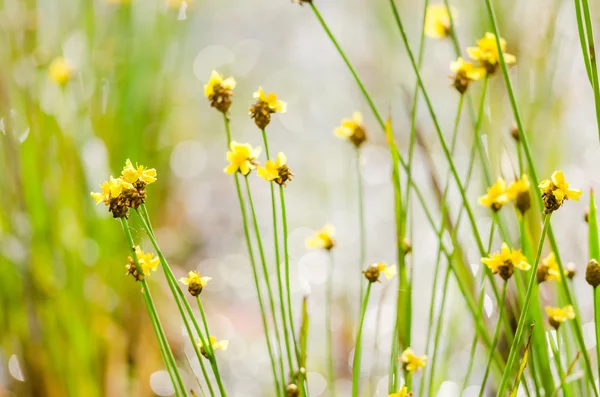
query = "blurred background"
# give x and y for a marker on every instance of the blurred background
(72, 324)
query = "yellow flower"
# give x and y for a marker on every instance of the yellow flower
(217, 81)
(133, 174)
(437, 21)
(277, 170)
(464, 73)
(322, 238)
(496, 196)
(556, 191)
(102, 196)
(60, 71)
(412, 363)
(117, 185)
(487, 54)
(504, 262)
(146, 261)
(194, 282)
(218, 345)
(550, 265)
(402, 393)
(557, 316)
(352, 129)
(271, 100)
(242, 157)
(375, 269)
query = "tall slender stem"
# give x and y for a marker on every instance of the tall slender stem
(329, 330)
(267, 278)
(361, 222)
(438, 333)
(597, 323)
(501, 305)
(524, 311)
(559, 368)
(358, 345)
(592, 58)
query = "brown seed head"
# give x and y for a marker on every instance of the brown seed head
(592, 273)
(133, 270)
(372, 273)
(292, 390)
(261, 113)
(221, 99)
(542, 273)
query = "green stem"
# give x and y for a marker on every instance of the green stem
(561, 373)
(524, 312)
(361, 221)
(501, 305)
(592, 58)
(329, 330)
(267, 279)
(165, 349)
(597, 323)
(438, 333)
(358, 346)
(583, 40)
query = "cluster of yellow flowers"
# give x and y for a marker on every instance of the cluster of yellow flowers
(126, 191)
(504, 262)
(498, 194)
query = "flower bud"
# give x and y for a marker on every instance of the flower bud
(592, 273)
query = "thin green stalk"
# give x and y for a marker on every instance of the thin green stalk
(267, 279)
(278, 260)
(361, 222)
(208, 342)
(182, 304)
(501, 305)
(164, 346)
(597, 323)
(532, 173)
(524, 311)
(438, 333)
(583, 40)
(561, 373)
(187, 358)
(329, 329)
(358, 345)
(592, 58)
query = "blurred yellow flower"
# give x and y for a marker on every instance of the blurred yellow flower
(104, 195)
(133, 174)
(271, 100)
(464, 73)
(411, 362)
(60, 71)
(402, 393)
(218, 345)
(487, 54)
(322, 238)
(194, 282)
(374, 270)
(556, 191)
(216, 82)
(437, 21)
(496, 196)
(146, 261)
(277, 170)
(519, 192)
(352, 129)
(557, 316)
(242, 158)
(504, 262)
(550, 265)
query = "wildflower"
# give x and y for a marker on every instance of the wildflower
(557, 316)
(322, 238)
(519, 192)
(548, 270)
(352, 129)
(146, 261)
(194, 282)
(495, 197)
(265, 105)
(215, 345)
(486, 53)
(402, 393)
(464, 73)
(219, 91)
(555, 191)
(277, 170)
(410, 362)
(375, 269)
(138, 173)
(242, 158)
(592, 273)
(437, 21)
(504, 262)
(60, 71)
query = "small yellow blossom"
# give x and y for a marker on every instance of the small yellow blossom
(242, 157)
(352, 129)
(104, 195)
(464, 73)
(271, 100)
(487, 54)
(375, 269)
(322, 238)
(549, 270)
(146, 261)
(214, 343)
(265, 105)
(411, 362)
(216, 82)
(60, 71)
(402, 393)
(557, 315)
(519, 192)
(496, 196)
(277, 170)
(555, 191)
(437, 21)
(194, 282)
(504, 262)
(133, 174)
